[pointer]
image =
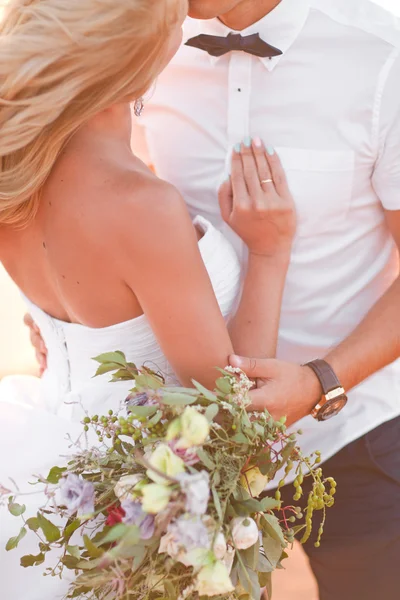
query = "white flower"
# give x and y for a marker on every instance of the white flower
(254, 481)
(155, 498)
(166, 461)
(220, 547)
(244, 532)
(214, 580)
(183, 536)
(124, 489)
(197, 489)
(195, 428)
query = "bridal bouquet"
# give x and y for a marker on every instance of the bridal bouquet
(170, 503)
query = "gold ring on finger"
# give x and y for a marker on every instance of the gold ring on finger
(266, 181)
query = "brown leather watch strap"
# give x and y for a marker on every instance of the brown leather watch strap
(325, 374)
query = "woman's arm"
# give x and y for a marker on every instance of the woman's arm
(254, 328)
(172, 285)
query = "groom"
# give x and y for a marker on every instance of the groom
(319, 80)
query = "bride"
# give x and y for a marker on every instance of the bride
(103, 251)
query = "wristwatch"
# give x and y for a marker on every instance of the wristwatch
(333, 398)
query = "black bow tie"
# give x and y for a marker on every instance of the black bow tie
(217, 46)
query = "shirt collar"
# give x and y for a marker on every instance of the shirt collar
(279, 28)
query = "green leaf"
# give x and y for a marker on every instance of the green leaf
(146, 380)
(240, 438)
(250, 556)
(272, 549)
(178, 399)
(55, 474)
(50, 531)
(271, 527)
(29, 560)
(115, 533)
(156, 419)
(70, 562)
(14, 541)
(249, 580)
(71, 528)
(205, 459)
(105, 368)
(265, 580)
(142, 411)
(116, 357)
(33, 524)
(74, 551)
(265, 464)
(93, 550)
(16, 509)
(217, 503)
(263, 565)
(211, 412)
(268, 503)
(223, 385)
(204, 391)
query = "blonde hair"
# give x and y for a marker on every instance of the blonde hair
(61, 62)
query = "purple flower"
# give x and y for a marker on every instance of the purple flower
(77, 494)
(135, 515)
(197, 490)
(182, 536)
(138, 399)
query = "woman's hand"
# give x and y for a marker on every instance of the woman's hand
(256, 201)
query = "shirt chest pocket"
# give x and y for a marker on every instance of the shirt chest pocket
(321, 182)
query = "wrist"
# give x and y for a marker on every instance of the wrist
(312, 390)
(280, 258)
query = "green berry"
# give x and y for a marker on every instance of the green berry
(86, 420)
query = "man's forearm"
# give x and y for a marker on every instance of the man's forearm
(374, 344)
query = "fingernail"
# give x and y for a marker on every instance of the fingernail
(247, 141)
(257, 142)
(270, 150)
(237, 148)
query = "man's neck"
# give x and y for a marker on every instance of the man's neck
(248, 12)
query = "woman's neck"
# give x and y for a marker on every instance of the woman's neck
(248, 12)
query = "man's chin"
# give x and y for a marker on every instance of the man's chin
(210, 9)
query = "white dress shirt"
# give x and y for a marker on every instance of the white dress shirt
(330, 105)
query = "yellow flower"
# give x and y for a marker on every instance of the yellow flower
(155, 498)
(254, 481)
(214, 580)
(166, 461)
(194, 428)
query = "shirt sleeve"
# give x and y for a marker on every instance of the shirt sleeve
(386, 177)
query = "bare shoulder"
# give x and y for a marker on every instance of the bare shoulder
(147, 217)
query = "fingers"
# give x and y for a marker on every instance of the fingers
(225, 199)
(259, 399)
(28, 321)
(277, 173)
(250, 170)
(253, 367)
(264, 172)
(239, 188)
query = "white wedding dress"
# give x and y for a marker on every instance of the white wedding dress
(36, 416)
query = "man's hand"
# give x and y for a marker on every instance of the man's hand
(284, 389)
(37, 342)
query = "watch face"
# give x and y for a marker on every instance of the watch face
(332, 408)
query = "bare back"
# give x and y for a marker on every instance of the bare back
(66, 261)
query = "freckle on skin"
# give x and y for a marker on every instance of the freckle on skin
(44, 245)
(63, 276)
